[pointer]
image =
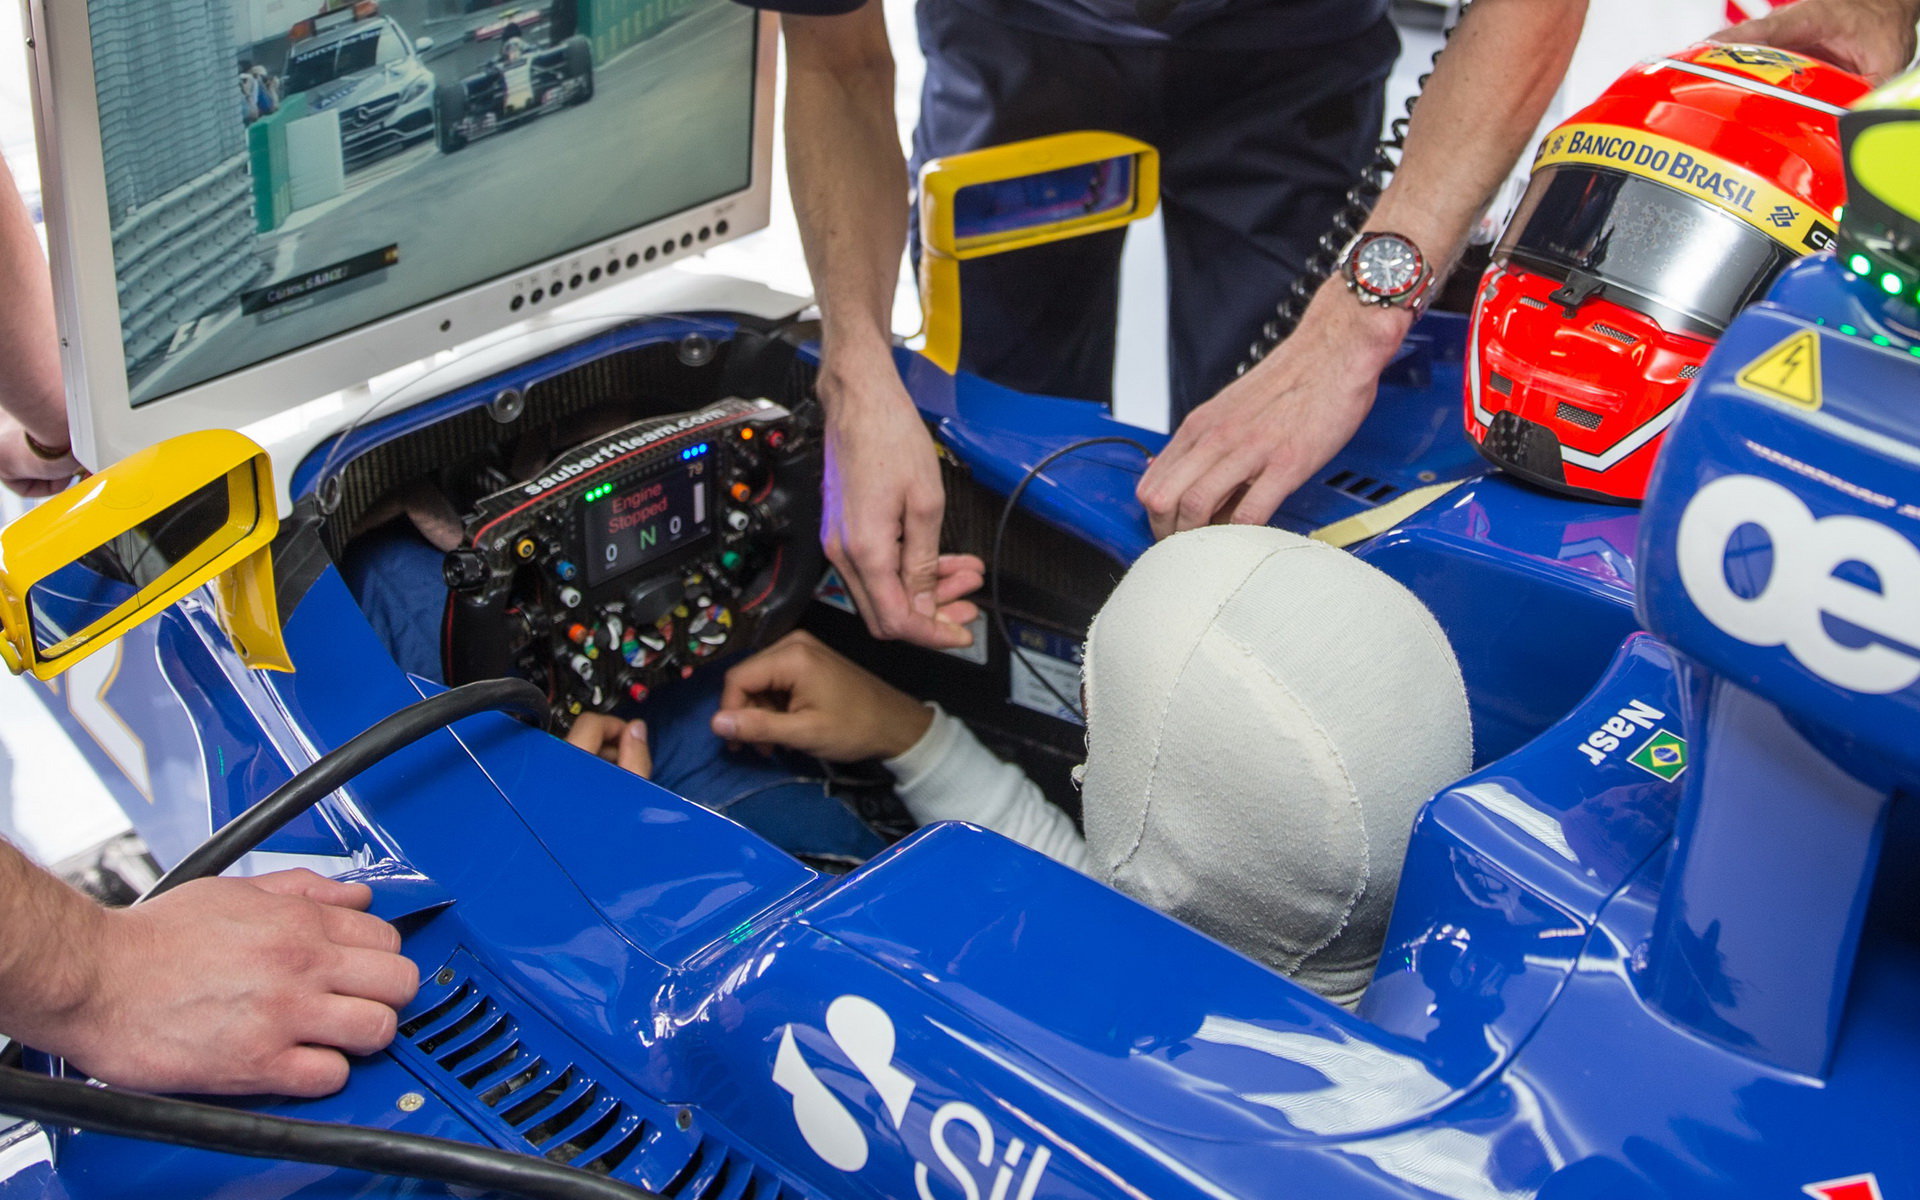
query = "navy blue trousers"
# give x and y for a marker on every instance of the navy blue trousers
(1258, 149)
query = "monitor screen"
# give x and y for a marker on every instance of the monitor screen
(280, 172)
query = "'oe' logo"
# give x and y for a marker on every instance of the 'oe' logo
(1801, 589)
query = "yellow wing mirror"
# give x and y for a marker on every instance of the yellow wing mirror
(1017, 195)
(154, 526)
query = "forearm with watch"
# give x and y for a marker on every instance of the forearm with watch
(1483, 104)
(1239, 455)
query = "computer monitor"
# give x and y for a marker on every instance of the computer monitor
(253, 203)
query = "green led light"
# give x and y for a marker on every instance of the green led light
(1850, 331)
(1891, 284)
(1819, 320)
(1914, 350)
(1859, 264)
(1882, 340)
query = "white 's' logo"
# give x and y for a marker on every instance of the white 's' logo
(1801, 590)
(864, 1033)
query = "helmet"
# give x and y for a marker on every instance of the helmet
(1653, 216)
(1880, 229)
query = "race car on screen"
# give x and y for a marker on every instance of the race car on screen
(364, 66)
(522, 22)
(519, 84)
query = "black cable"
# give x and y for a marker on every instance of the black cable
(335, 768)
(999, 536)
(254, 1135)
(1347, 222)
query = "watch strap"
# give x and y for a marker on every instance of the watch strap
(42, 450)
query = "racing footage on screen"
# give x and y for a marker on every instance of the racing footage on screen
(281, 171)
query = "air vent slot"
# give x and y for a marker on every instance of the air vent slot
(1531, 302)
(1618, 335)
(1578, 416)
(1690, 371)
(1361, 487)
(558, 1110)
(1500, 383)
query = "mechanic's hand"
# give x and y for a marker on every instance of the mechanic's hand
(1236, 457)
(881, 521)
(25, 472)
(799, 694)
(617, 741)
(1874, 38)
(237, 987)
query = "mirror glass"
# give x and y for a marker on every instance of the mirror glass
(1013, 206)
(90, 595)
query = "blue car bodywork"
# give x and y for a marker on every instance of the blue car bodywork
(1642, 951)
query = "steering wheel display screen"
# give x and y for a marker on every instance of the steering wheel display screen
(646, 518)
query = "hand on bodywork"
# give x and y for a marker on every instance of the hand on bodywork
(1874, 38)
(1239, 455)
(883, 497)
(221, 986)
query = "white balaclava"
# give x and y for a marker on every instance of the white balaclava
(1266, 715)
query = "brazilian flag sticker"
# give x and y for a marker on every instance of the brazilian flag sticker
(1664, 754)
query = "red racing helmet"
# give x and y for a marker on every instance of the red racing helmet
(1654, 215)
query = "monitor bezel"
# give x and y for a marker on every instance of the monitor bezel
(104, 424)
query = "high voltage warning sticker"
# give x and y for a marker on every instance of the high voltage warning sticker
(1789, 372)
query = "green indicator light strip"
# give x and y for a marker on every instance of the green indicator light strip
(1891, 284)
(1881, 340)
(1849, 330)
(1859, 264)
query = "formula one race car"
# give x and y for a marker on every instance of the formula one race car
(521, 22)
(519, 84)
(1646, 949)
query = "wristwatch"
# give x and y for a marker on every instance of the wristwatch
(1387, 269)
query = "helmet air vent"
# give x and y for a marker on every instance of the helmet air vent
(1614, 332)
(1578, 416)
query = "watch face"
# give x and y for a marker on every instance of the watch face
(1386, 266)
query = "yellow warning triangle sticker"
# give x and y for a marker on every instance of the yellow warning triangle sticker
(1789, 372)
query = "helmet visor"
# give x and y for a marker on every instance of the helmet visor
(1652, 248)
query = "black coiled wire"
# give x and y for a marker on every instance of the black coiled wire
(1347, 222)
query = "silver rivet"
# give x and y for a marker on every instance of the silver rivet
(1428, 477)
(412, 1102)
(444, 977)
(684, 1119)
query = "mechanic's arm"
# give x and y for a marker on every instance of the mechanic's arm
(30, 390)
(1874, 38)
(883, 500)
(800, 694)
(227, 986)
(1240, 454)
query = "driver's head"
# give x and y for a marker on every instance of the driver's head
(1266, 715)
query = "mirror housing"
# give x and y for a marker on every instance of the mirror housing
(186, 511)
(1021, 194)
